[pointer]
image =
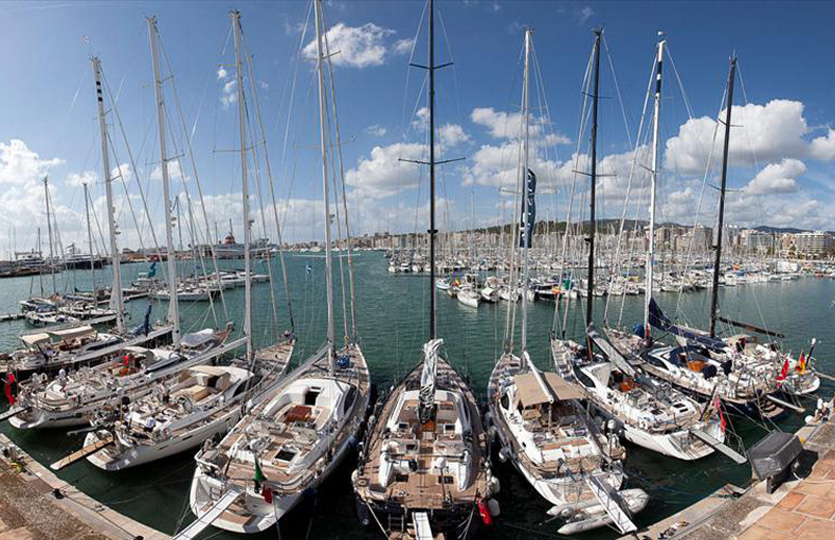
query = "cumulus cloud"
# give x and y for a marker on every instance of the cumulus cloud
(382, 174)
(777, 178)
(20, 165)
(769, 132)
(503, 125)
(174, 172)
(79, 179)
(361, 46)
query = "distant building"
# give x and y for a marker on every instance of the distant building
(814, 242)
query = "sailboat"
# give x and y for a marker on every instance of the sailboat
(297, 436)
(652, 413)
(701, 364)
(197, 402)
(424, 468)
(537, 417)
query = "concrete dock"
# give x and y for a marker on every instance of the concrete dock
(32, 509)
(800, 509)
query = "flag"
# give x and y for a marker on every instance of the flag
(259, 476)
(267, 493)
(528, 211)
(801, 364)
(785, 371)
(152, 271)
(8, 385)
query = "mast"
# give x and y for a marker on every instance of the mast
(90, 242)
(322, 127)
(714, 297)
(433, 308)
(528, 229)
(598, 34)
(236, 22)
(173, 304)
(653, 183)
(49, 233)
(116, 293)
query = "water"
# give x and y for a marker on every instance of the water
(392, 324)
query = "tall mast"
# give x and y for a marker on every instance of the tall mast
(236, 22)
(322, 128)
(433, 309)
(528, 230)
(598, 33)
(173, 304)
(90, 242)
(49, 233)
(116, 293)
(714, 297)
(653, 183)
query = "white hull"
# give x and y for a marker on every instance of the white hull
(264, 514)
(140, 455)
(467, 300)
(665, 444)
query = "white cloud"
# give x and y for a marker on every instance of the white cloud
(382, 174)
(823, 147)
(229, 93)
(222, 74)
(79, 179)
(448, 135)
(503, 125)
(403, 46)
(777, 178)
(376, 130)
(361, 46)
(769, 132)
(174, 172)
(585, 14)
(20, 165)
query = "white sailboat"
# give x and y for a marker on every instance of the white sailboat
(537, 417)
(296, 437)
(205, 401)
(424, 471)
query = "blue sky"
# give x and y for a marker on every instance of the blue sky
(782, 155)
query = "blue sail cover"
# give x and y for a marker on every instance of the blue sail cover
(528, 211)
(658, 320)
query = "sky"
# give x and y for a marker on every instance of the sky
(781, 155)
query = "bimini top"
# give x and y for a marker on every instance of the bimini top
(529, 392)
(67, 333)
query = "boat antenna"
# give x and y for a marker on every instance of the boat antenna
(236, 25)
(714, 297)
(598, 34)
(116, 292)
(653, 182)
(173, 303)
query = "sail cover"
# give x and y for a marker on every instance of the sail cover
(528, 211)
(658, 320)
(426, 403)
(611, 353)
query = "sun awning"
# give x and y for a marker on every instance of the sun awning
(72, 333)
(529, 392)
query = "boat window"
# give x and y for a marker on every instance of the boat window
(401, 478)
(505, 401)
(402, 426)
(583, 378)
(449, 428)
(349, 399)
(652, 359)
(286, 454)
(311, 395)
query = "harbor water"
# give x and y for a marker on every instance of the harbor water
(392, 320)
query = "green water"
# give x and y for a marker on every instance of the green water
(392, 321)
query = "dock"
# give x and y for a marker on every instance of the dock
(12, 317)
(799, 509)
(36, 504)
